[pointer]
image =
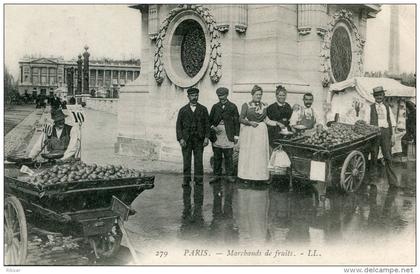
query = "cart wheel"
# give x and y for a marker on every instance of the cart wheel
(15, 232)
(353, 171)
(108, 245)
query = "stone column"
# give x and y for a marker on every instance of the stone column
(311, 26)
(119, 75)
(312, 17)
(153, 21)
(96, 79)
(394, 42)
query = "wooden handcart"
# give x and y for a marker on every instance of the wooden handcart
(343, 166)
(95, 209)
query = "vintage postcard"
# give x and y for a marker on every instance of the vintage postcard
(179, 134)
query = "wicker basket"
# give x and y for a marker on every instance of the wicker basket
(278, 170)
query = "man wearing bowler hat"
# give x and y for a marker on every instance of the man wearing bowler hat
(224, 122)
(382, 117)
(62, 138)
(192, 133)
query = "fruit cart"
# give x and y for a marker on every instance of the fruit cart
(94, 208)
(337, 164)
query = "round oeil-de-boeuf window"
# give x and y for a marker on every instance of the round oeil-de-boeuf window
(187, 49)
(193, 47)
(340, 54)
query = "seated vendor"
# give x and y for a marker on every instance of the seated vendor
(305, 115)
(62, 138)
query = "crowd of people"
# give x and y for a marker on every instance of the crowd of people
(259, 125)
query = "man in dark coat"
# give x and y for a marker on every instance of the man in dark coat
(410, 125)
(55, 102)
(224, 122)
(192, 133)
(382, 117)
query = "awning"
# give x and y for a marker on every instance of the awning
(364, 86)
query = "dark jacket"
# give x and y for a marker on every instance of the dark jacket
(280, 114)
(230, 117)
(55, 144)
(191, 123)
(374, 116)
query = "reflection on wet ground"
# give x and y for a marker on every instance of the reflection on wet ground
(208, 223)
(229, 214)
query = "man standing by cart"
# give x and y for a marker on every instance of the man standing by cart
(62, 138)
(224, 121)
(192, 133)
(305, 115)
(382, 117)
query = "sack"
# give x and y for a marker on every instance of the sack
(279, 161)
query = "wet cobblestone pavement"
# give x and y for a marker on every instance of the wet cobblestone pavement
(14, 114)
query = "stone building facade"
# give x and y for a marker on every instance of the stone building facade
(303, 47)
(44, 75)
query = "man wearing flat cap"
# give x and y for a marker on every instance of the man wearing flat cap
(382, 117)
(62, 138)
(224, 122)
(192, 133)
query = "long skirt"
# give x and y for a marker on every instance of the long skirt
(253, 153)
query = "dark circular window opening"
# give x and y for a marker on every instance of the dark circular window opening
(193, 46)
(340, 54)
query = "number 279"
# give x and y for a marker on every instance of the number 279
(161, 254)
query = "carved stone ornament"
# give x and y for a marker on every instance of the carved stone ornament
(321, 31)
(215, 67)
(240, 28)
(347, 17)
(304, 31)
(223, 28)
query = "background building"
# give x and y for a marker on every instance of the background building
(304, 47)
(44, 75)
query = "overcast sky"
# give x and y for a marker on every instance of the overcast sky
(377, 40)
(114, 31)
(63, 30)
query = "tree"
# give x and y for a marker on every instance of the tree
(10, 85)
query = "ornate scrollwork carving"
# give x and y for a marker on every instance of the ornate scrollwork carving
(347, 17)
(215, 64)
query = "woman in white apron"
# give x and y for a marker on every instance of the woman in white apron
(254, 149)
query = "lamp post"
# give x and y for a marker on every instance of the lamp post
(79, 75)
(86, 71)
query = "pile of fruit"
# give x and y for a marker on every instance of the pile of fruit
(79, 171)
(334, 135)
(363, 128)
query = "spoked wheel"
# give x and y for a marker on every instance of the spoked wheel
(353, 171)
(109, 244)
(15, 232)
